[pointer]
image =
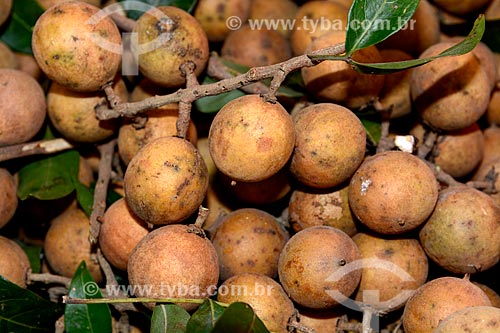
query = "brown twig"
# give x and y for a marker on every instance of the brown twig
(185, 105)
(34, 148)
(202, 217)
(442, 176)
(123, 22)
(428, 145)
(106, 151)
(301, 328)
(385, 143)
(48, 278)
(111, 281)
(197, 92)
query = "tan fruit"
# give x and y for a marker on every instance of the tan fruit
(7, 57)
(175, 261)
(67, 244)
(493, 112)
(176, 38)
(394, 268)
(393, 192)
(336, 81)
(8, 197)
(249, 240)
(218, 207)
(202, 145)
(72, 46)
(250, 139)
(421, 32)
(266, 297)
(73, 113)
(484, 319)
(153, 124)
(315, 19)
(22, 107)
(461, 7)
(46, 4)
(166, 181)
(255, 47)
(85, 172)
(14, 263)
(451, 93)
(395, 94)
(313, 208)
(215, 16)
(120, 232)
(436, 300)
(492, 295)
(311, 267)
(493, 10)
(28, 64)
(321, 321)
(274, 10)
(458, 153)
(264, 192)
(462, 234)
(491, 147)
(329, 147)
(5, 8)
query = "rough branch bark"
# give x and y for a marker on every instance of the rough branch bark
(277, 71)
(34, 148)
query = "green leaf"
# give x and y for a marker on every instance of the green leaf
(204, 319)
(372, 21)
(80, 318)
(169, 318)
(211, 104)
(49, 178)
(19, 29)
(24, 311)
(34, 256)
(373, 129)
(84, 196)
(463, 47)
(239, 318)
(187, 5)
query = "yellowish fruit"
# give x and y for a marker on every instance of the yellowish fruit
(14, 263)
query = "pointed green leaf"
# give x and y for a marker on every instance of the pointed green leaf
(24, 311)
(463, 47)
(211, 104)
(373, 129)
(84, 196)
(372, 21)
(49, 178)
(34, 256)
(81, 318)
(204, 319)
(239, 318)
(169, 318)
(187, 5)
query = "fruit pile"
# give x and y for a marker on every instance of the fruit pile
(336, 200)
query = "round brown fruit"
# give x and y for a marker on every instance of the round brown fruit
(274, 10)
(321, 321)
(462, 7)
(72, 46)
(336, 81)
(493, 112)
(174, 260)
(5, 8)
(255, 47)
(176, 38)
(7, 57)
(67, 244)
(492, 294)
(458, 153)
(28, 64)
(251, 139)
(393, 192)
(120, 232)
(166, 181)
(249, 240)
(46, 4)
(73, 113)
(311, 265)
(23, 107)
(395, 268)
(450, 93)
(308, 19)
(215, 16)
(463, 234)
(14, 263)
(484, 319)
(436, 300)
(8, 197)
(314, 208)
(266, 297)
(330, 145)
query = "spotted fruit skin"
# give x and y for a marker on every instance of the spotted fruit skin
(75, 47)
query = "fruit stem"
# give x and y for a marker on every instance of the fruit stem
(48, 278)
(71, 300)
(34, 148)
